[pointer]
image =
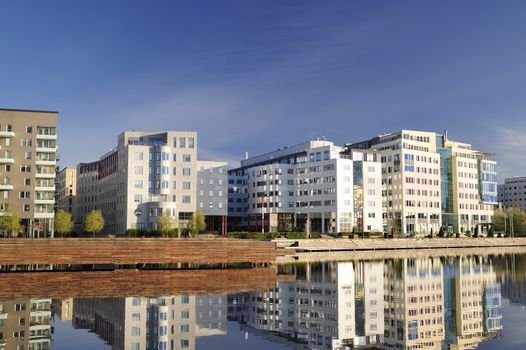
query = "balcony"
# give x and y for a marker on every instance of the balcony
(45, 201)
(6, 160)
(7, 134)
(45, 175)
(45, 162)
(45, 188)
(6, 187)
(46, 137)
(44, 215)
(46, 149)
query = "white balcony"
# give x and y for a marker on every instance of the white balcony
(3, 316)
(46, 137)
(46, 149)
(45, 162)
(44, 201)
(44, 215)
(4, 160)
(45, 188)
(7, 134)
(6, 187)
(45, 175)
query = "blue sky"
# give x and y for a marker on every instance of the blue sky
(257, 75)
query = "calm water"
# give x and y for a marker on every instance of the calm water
(424, 303)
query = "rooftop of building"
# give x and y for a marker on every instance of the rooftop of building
(27, 110)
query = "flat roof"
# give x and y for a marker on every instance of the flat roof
(26, 110)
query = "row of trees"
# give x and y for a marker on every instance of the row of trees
(512, 221)
(94, 223)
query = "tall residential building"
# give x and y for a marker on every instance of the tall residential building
(147, 175)
(512, 194)
(311, 187)
(67, 189)
(28, 147)
(430, 181)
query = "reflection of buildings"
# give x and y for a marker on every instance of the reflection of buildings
(140, 323)
(473, 302)
(414, 317)
(330, 305)
(211, 312)
(168, 322)
(514, 289)
(25, 324)
(63, 308)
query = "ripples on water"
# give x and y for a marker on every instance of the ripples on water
(423, 303)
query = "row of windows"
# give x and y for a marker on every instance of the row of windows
(160, 170)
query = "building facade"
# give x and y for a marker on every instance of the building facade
(306, 187)
(67, 189)
(512, 194)
(147, 175)
(430, 181)
(28, 141)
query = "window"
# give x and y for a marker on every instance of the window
(20, 307)
(136, 331)
(187, 158)
(220, 181)
(138, 184)
(220, 193)
(25, 168)
(29, 129)
(137, 198)
(186, 185)
(186, 199)
(174, 172)
(139, 170)
(211, 193)
(211, 181)
(136, 301)
(185, 314)
(24, 195)
(136, 346)
(186, 171)
(136, 316)
(175, 158)
(27, 182)
(27, 207)
(182, 142)
(139, 156)
(28, 155)
(26, 142)
(191, 142)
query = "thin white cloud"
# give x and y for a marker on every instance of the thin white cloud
(510, 146)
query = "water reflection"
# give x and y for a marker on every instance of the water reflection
(424, 303)
(411, 303)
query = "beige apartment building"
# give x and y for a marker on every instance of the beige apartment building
(67, 189)
(28, 148)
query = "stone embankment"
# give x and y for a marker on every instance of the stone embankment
(377, 249)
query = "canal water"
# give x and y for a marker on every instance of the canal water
(462, 302)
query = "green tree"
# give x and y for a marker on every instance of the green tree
(499, 218)
(166, 225)
(10, 222)
(196, 224)
(519, 221)
(63, 222)
(395, 227)
(94, 222)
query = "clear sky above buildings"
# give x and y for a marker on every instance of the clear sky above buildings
(257, 75)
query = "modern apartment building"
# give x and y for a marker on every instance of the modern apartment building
(430, 181)
(150, 174)
(212, 196)
(28, 147)
(512, 194)
(311, 187)
(67, 189)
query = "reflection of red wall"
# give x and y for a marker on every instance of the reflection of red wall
(123, 283)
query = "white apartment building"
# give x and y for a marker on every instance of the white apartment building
(512, 194)
(149, 174)
(306, 187)
(429, 181)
